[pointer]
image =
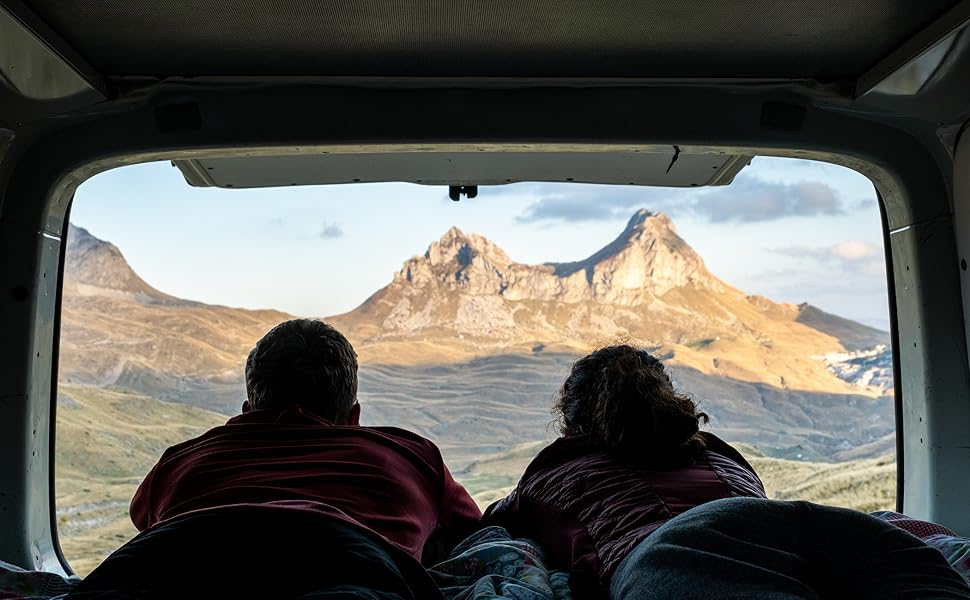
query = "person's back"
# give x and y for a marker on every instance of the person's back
(388, 480)
(640, 505)
(630, 459)
(321, 505)
(590, 509)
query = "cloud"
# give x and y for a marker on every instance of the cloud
(854, 251)
(748, 199)
(864, 204)
(584, 202)
(751, 199)
(330, 231)
(853, 256)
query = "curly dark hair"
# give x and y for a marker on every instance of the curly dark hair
(623, 396)
(305, 362)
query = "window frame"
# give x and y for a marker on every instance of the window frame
(910, 171)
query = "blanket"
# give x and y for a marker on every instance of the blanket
(955, 549)
(491, 564)
(32, 585)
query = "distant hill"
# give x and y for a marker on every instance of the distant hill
(116, 329)
(852, 335)
(97, 268)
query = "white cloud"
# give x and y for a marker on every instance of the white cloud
(854, 251)
(749, 199)
(852, 256)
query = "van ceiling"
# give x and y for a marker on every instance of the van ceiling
(787, 39)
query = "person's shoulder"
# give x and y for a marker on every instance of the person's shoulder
(190, 444)
(714, 444)
(568, 448)
(402, 435)
(414, 444)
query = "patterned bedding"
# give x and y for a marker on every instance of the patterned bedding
(491, 564)
(32, 585)
(487, 565)
(954, 548)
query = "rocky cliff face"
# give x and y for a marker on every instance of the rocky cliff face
(648, 283)
(646, 261)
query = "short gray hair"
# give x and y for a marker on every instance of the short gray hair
(305, 362)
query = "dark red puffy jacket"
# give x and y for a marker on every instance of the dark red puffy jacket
(588, 510)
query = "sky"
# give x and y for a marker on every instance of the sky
(792, 230)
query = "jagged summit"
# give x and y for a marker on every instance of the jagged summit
(467, 284)
(648, 259)
(644, 214)
(647, 256)
(456, 245)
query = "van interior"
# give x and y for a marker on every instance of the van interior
(470, 97)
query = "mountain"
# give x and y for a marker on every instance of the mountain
(116, 329)
(467, 346)
(466, 284)
(97, 268)
(465, 297)
(853, 336)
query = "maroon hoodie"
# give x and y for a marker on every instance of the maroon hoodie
(589, 510)
(383, 479)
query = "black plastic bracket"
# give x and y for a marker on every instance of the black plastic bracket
(455, 192)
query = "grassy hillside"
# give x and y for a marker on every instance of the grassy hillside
(866, 485)
(108, 439)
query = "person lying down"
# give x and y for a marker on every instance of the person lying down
(294, 499)
(637, 503)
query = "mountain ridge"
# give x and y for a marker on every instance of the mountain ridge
(646, 260)
(466, 297)
(745, 354)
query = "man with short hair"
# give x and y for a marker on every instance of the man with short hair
(292, 498)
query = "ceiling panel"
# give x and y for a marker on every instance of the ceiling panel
(502, 38)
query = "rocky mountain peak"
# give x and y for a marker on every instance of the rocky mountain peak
(645, 227)
(461, 248)
(650, 218)
(97, 268)
(647, 260)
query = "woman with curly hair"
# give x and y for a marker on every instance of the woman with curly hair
(638, 503)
